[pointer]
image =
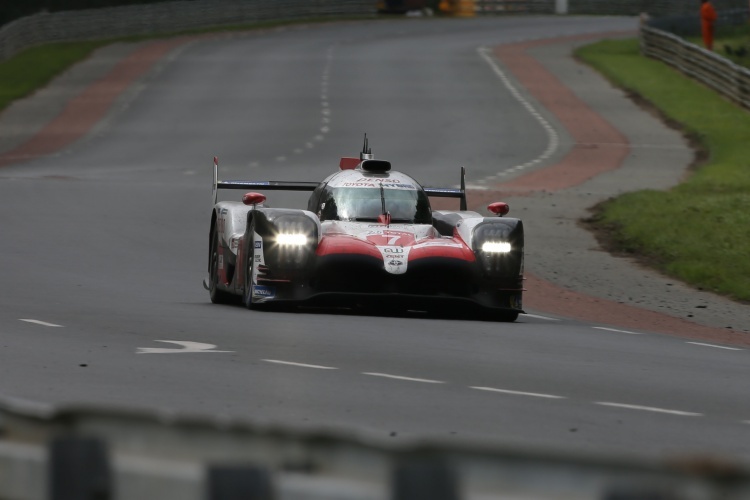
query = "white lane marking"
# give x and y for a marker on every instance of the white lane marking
(553, 140)
(187, 347)
(650, 408)
(518, 393)
(43, 323)
(399, 377)
(616, 330)
(303, 365)
(717, 346)
(540, 317)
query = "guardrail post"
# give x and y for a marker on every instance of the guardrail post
(424, 479)
(79, 469)
(238, 482)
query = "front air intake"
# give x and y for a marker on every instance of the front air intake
(375, 165)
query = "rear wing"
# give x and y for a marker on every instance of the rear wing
(310, 186)
(264, 185)
(450, 192)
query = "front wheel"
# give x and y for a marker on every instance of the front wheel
(503, 316)
(506, 316)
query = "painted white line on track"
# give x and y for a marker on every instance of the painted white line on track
(399, 377)
(518, 393)
(540, 317)
(43, 323)
(717, 346)
(553, 139)
(185, 348)
(302, 365)
(651, 408)
(616, 330)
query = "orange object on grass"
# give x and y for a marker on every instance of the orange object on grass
(708, 18)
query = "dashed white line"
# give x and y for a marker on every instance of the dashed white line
(43, 323)
(302, 365)
(518, 393)
(616, 330)
(717, 346)
(399, 377)
(650, 408)
(552, 136)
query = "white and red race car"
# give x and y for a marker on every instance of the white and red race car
(368, 238)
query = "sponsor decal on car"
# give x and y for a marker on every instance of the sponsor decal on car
(395, 259)
(264, 292)
(439, 243)
(258, 244)
(354, 179)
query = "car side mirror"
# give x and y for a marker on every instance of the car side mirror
(253, 198)
(499, 208)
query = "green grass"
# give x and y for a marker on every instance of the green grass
(699, 231)
(33, 68)
(735, 37)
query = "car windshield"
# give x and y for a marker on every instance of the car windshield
(366, 204)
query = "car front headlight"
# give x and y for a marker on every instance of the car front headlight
(496, 247)
(291, 239)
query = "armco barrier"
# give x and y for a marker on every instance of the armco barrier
(88, 453)
(165, 17)
(718, 73)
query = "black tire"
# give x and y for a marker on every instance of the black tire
(217, 296)
(506, 316)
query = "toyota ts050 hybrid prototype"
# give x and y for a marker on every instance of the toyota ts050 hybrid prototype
(368, 238)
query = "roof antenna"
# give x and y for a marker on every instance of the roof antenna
(366, 153)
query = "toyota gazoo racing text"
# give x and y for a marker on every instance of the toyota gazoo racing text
(368, 238)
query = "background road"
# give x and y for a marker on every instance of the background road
(104, 248)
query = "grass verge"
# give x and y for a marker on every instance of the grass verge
(699, 231)
(33, 68)
(732, 42)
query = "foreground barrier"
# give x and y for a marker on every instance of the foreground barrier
(88, 453)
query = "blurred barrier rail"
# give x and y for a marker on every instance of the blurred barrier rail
(718, 73)
(165, 17)
(49, 453)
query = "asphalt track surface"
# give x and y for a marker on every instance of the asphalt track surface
(104, 247)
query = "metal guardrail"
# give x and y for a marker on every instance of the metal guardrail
(709, 68)
(92, 453)
(165, 17)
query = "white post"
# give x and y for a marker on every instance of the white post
(561, 7)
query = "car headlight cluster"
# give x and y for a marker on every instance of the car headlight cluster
(291, 239)
(496, 247)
